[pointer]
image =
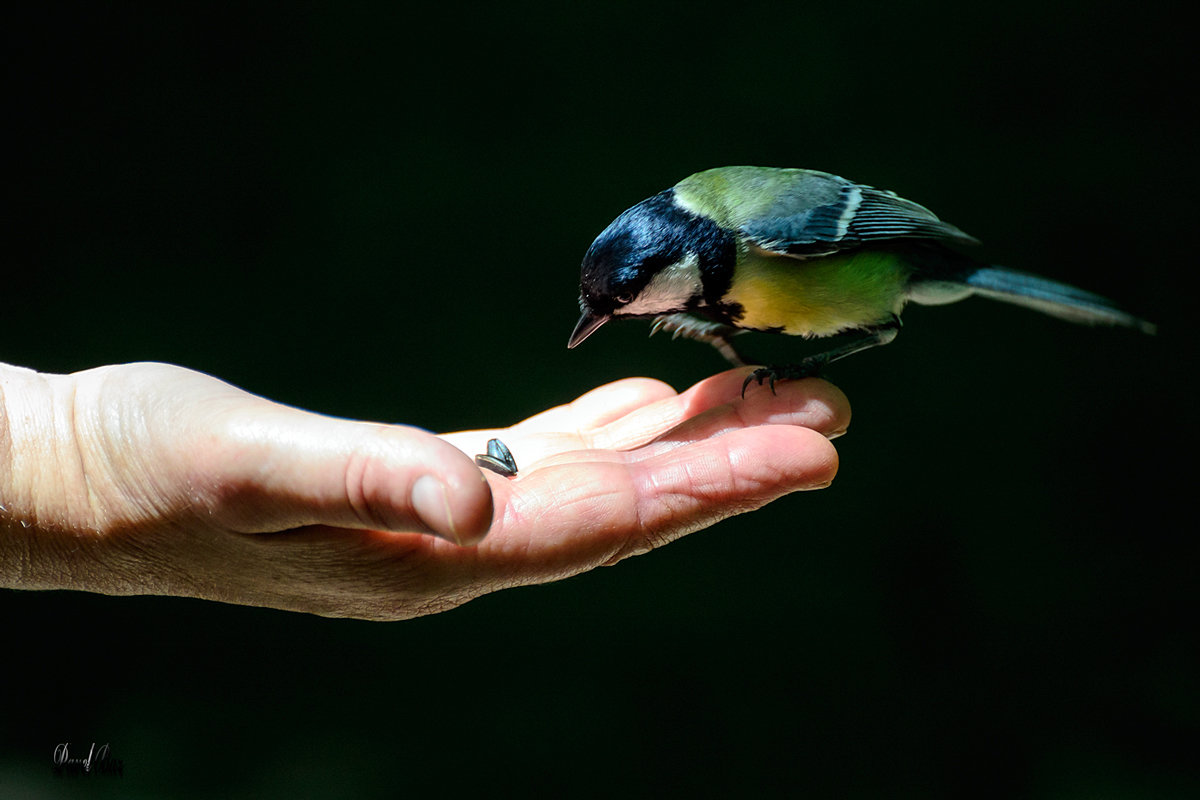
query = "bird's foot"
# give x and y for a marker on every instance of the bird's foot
(808, 368)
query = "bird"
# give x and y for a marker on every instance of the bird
(797, 252)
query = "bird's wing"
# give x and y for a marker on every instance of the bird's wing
(815, 220)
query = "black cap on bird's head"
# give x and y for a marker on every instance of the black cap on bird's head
(619, 272)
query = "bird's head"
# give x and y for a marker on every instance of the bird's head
(646, 263)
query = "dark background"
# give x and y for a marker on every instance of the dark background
(380, 214)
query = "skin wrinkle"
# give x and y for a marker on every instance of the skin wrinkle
(53, 467)
(389, 554)
(541, 539)
(354, 482)
(35, 458)
(671, 507)
(702, 477)
(587, 499)
(752, 485)
(317, 565)
(137, 566)
(641, 542)
(128, 483)
(95, 509)
(672, 499)
(553, 545)
(758, 494)
(388, 572)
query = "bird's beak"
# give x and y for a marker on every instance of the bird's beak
(585, 327)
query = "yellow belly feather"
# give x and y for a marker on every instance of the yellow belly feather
(820, 296)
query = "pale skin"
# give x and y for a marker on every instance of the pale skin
(154, 479)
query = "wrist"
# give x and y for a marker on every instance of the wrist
(44, 502)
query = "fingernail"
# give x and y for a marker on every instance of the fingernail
(432, 504)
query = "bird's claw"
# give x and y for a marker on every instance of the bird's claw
(805, 369)
(759, 375)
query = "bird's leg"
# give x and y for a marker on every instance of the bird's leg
(812, 365)
(713, 333)
(725, 348)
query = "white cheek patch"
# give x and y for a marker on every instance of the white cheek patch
(669, 290)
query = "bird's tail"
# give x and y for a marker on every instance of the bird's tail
(1051, 297)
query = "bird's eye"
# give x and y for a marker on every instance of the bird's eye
(624, 298)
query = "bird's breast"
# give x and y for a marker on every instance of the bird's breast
(817, 296)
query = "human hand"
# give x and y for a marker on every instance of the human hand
(154, 479)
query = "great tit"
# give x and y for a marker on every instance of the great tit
(800, 252)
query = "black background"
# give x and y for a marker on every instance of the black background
(380, 213)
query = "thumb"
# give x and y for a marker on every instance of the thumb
(278, 467)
